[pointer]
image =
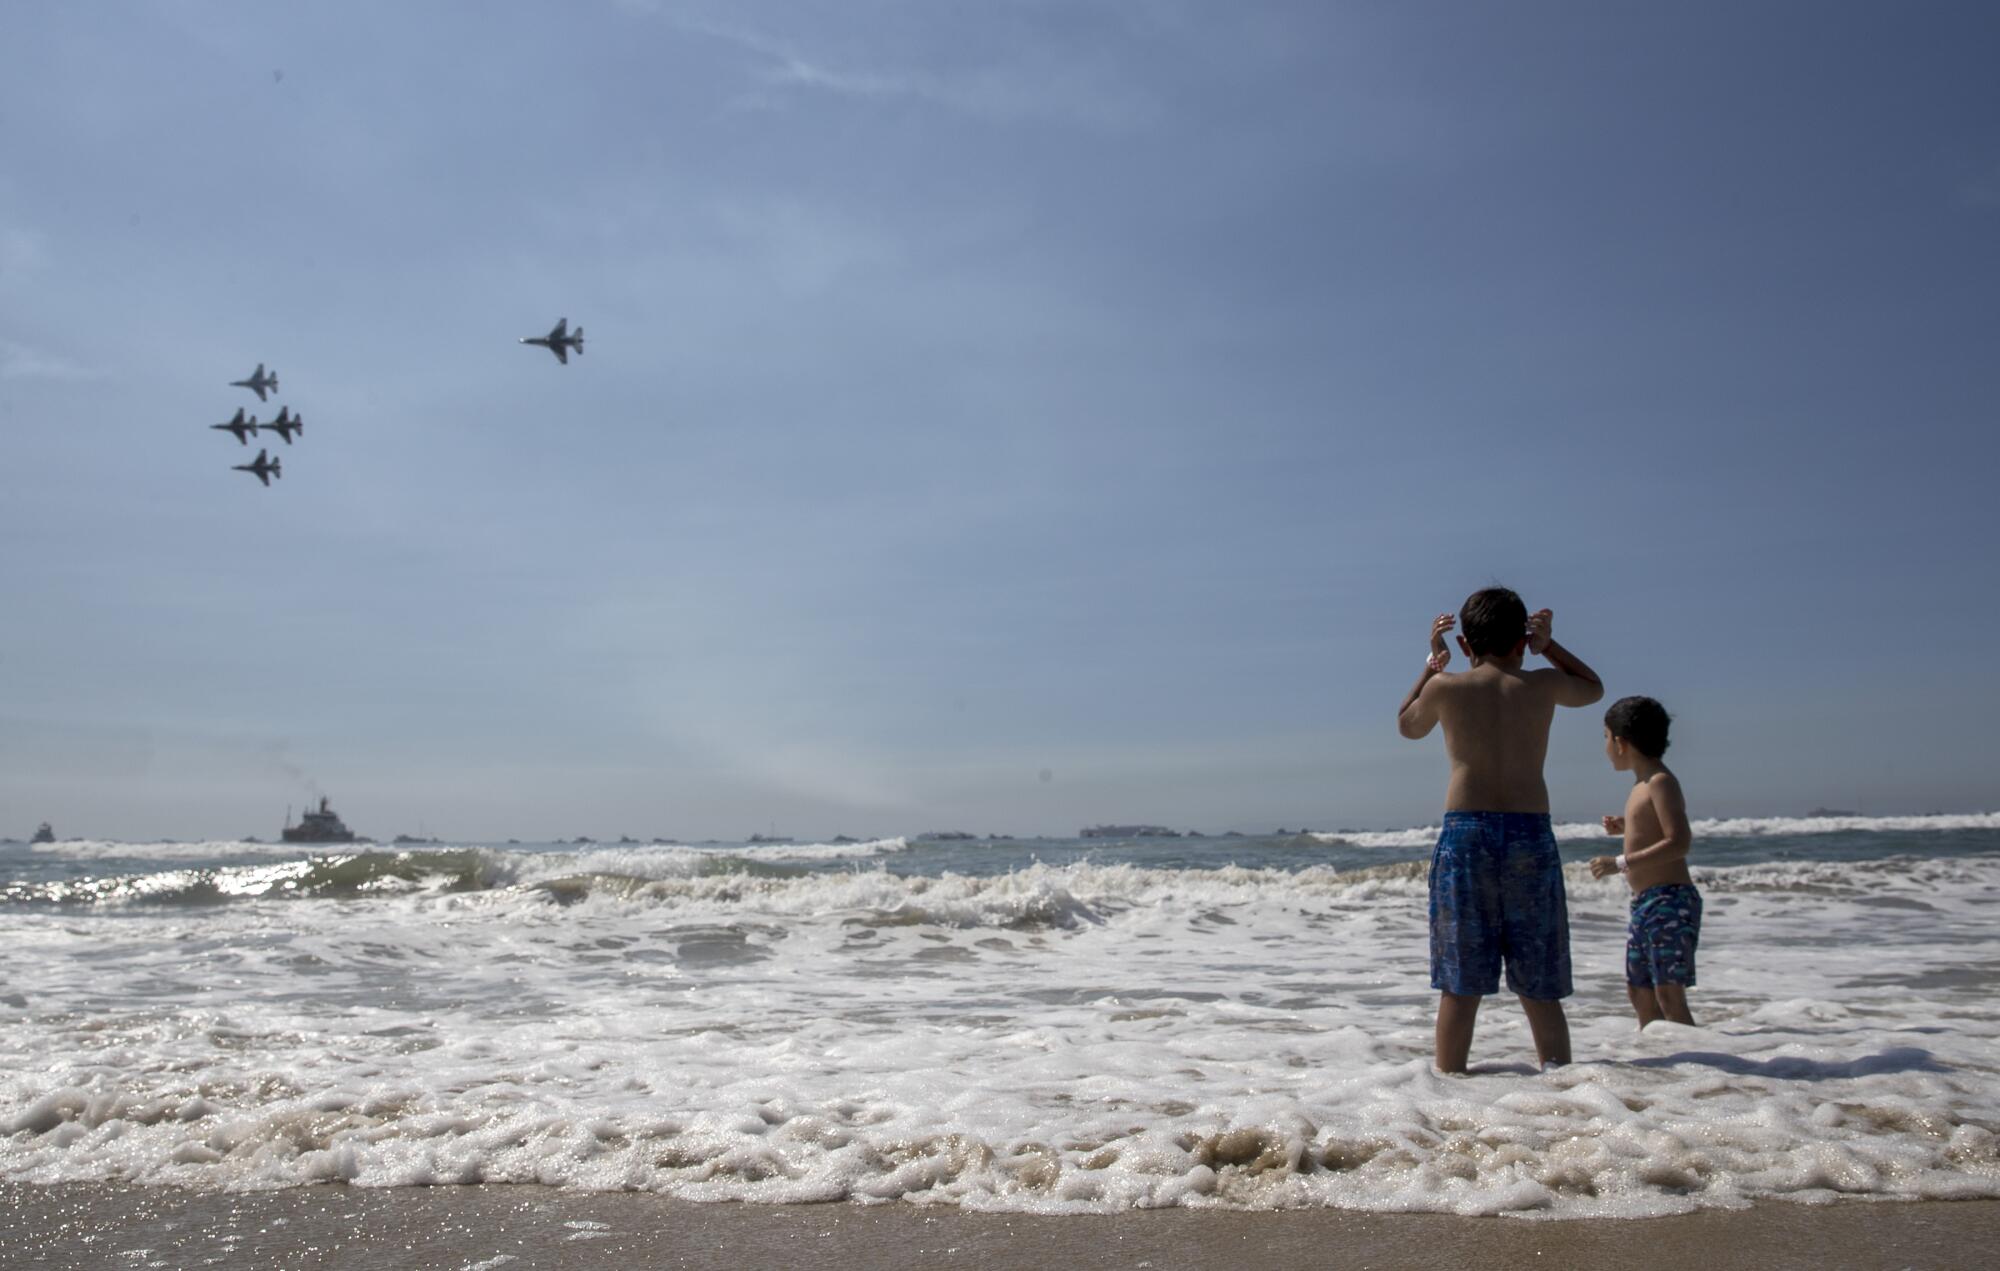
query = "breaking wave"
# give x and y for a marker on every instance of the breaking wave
(1715, 827)
(1034, 895)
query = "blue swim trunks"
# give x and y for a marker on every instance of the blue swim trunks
(1497, 896)
(1659, 943)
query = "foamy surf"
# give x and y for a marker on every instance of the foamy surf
(1084, 1036)
(1711, 827)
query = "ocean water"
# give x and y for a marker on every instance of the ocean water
(1047, 1026)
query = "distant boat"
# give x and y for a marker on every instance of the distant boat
(323, 826)
(43, 834)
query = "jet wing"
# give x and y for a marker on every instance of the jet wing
(561, 351)
(560, 329)
(264, 475)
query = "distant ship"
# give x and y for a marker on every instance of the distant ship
(323, 826)
(43, 834)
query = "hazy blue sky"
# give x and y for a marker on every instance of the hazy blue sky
(1002, 416)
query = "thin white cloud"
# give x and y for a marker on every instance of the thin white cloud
(1047, 84)
(21, 362)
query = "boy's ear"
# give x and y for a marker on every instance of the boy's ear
(1521, 649)
(1464, 648)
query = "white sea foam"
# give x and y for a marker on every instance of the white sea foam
(1082, 1038)
(639, 858)
(668, 862)
(215, 850)
(1736, 827)
(826, 851)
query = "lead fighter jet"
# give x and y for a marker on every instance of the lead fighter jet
(265, 467)
(258, 383)
(286, 424)
(559, 341)
(244, 429)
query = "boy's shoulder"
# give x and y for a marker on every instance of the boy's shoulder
(1663, 782)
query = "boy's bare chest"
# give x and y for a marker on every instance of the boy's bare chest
(1642, 824)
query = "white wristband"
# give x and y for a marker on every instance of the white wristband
(1621, 862)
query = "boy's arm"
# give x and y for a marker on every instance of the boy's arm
(1417, 716)
(1579, 685)
(1419, 712)
(1665, 793)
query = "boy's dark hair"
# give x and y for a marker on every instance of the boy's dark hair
(1640, 721)
(1493, 622)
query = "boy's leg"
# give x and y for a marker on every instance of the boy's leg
(1673, 999)
(1537, 933)
(1457, 1013)
(1644, 1004)
(1466, 933)
(1551, 1029)
(1659, 951)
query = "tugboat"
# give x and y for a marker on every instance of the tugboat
(323, 826)
(43, 834)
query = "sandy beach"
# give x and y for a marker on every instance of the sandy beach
(485, 1228)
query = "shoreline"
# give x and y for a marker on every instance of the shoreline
(526, 1228)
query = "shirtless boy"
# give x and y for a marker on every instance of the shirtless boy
(1666, 908)
(1496, 880)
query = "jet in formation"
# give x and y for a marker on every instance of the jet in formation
(258, 383)
(264, 467)
(244, 429)
(285, 424)
(558, 341)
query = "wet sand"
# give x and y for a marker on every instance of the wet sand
(92, 1225)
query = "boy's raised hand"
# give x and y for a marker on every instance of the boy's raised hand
(1440, 654)
(1614, 825)
(1541, 625)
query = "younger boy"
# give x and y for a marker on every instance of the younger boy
(1666, 908)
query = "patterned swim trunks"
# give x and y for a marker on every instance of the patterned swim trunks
(1497, 896)
(1659, 943)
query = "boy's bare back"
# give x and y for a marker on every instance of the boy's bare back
(1496, 719)
(1496, 736)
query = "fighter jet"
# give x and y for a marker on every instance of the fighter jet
(287, 423)
(265, 467)
(258, 383)
(244, 429)
(559, 341)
